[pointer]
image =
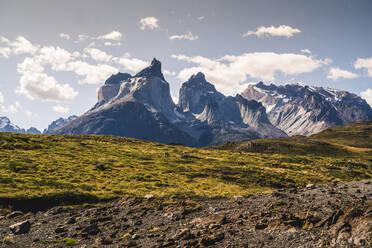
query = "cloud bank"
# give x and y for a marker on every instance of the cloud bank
(228, 73)
(367, 95)
(361, 63)
(337, 73)
(282, 30)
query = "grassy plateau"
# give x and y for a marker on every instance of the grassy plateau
(82, 168)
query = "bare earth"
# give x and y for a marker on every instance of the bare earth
(333, 215)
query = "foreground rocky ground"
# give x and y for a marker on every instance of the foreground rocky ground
(333, 215)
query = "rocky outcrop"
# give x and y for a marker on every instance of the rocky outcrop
(112, 86)
(59, 123)
(224, 118)
(303, 110)
(142, 108)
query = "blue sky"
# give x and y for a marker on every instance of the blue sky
(55, 54)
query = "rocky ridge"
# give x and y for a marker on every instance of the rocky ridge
(304, 110)
(7, 126)
(141, 107)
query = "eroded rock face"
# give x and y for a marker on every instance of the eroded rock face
(138, 107)
(203, 117)
(227, 118)
(304, 110)
(111, 87)
(196, 93)
(59, 123)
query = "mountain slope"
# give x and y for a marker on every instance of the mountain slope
(106, 166)
(224, 118)
(59, 123)
(141, 107)
(7, 126)
(334, 141)
(304, 110)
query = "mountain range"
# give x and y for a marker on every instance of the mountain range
(140, 106)
(7, 126)
(298, 109)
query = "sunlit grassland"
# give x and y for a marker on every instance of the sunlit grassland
(33, 166)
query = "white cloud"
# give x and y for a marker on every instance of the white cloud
(130, 63)
(114, 35)
(200, 18)
(1, 101)
(282, 30)
(60, 109)
(98, 55)
(367, 95)
(54, 56)
(35, 84)
(306, 51)
(11, 109)
(229, 72)
(5, 52)
(83, 37)
(187, 36)
(336, 73)
(21, 46)
(149, 22)
(93, 74)
(65, 36)
(4, 40)
(174, 98)
(109, 43)
(169, 73)
(364, 64)
(31, 115)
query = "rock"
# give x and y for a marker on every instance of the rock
(130, 243)
(310, 186)
(106, 241)
(60, 230)
(334, 218)
(72, 220)
(260, 226)
(92, 229)
(149, 196)
(211, 239)
(14, 214)
(185, 234)
(21, 227)
(219, 219)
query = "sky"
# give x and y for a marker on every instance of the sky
(54, 55)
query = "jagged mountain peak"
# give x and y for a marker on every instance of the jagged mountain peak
(198, 77)
(7, 126)
(297, 108)
(154, 70)
(141, 107)
(117, 78)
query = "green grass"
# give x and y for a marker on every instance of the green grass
(88, 168)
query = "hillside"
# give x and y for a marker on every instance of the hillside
(264, 193)
(90, 168)
(352, 140)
